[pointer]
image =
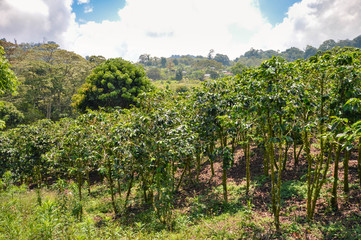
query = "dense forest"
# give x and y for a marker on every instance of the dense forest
(267, 146)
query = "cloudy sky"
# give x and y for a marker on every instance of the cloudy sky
(129, 28)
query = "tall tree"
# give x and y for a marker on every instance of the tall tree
(49, 78)
(222, 59)
(116, 82)
(327, 45)
(8, 80)
(310, 51)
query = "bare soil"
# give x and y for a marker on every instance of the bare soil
(294, 208)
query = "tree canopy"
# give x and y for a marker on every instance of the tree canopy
(8, 79)
(115, 82)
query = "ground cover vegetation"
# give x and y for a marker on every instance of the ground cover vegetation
(271, 152)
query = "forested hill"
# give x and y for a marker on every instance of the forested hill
(217, 65)
(48, 77)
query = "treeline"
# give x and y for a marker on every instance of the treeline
(216, 65)
(48, 78)
(146, 154)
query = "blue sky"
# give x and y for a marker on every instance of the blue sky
(275, 10)
(99, 10)
(129, 28)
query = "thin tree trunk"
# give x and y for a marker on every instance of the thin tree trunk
(359, 160)
(198, 159)
(285, 157)
(248, 175)
(266, 161)
(346, 188)
(129, 190)
(48, 109)
(211, 157)
(319, 187)
(272, 159)
(298, 155)
(111, 186)
(334, 204)
(88, 180)
(224, 183)
(79, 178)
(223, 140)
(279, 182)
(309, 169)
(181, 178)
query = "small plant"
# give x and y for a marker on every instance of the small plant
(197, 208)
(293, 189)
(6, 180)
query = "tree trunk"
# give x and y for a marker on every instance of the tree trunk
(359, 160)
(181, 178)
(88, 180)
(334, 204)
(346, 188)
(111, 186)
(48, 109)
(224, 183)
(129, 190)
(285, 157)
(266, 164)
(198, 159)
(248, 175)
(211, 157)
(319, 187)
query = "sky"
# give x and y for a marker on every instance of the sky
(161, 28)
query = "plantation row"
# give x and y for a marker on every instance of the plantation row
(144, 154)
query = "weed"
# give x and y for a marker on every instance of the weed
(293, 189)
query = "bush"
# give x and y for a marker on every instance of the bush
(115, 82)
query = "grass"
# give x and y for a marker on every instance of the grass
(201, 216)
(21, 217)
(293, 189)
(178, 86)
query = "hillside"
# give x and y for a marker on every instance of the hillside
(273, 152)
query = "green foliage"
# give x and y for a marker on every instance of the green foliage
(182, 89)
(10, 114)
(238, 68)
(221, 58)
(115, 82)
(154, 74)
(48, 78)
(8, 80)
(23, 150)
(293, 189)
(178, 74)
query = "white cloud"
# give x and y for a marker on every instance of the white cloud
(166, 27)
(26, 6)
(88, 9)
(32, 21)
(163, 27)
(311, 22)
(83, 1)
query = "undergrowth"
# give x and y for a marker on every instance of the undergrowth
(203, 216)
